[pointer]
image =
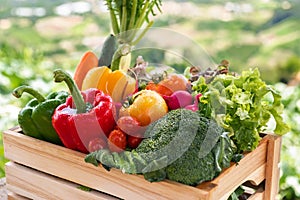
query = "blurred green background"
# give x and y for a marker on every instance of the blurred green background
(39, 36)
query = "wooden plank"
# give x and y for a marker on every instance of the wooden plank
(272, 169)
(70, 165)
(33, 184)
(236, 175)
(258, 195)
(14, 196)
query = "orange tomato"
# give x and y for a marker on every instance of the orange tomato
(172, 83)
(148, 106)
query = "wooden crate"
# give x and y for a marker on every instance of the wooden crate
(40, 170)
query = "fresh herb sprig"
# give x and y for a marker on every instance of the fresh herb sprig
(130, 21)
(128, 16)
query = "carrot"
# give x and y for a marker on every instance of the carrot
(88, 61)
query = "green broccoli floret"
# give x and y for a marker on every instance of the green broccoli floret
(197, 165)
(192, 145)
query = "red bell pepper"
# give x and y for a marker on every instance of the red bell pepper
(85, 115)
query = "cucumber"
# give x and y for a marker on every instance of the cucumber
(108, 50)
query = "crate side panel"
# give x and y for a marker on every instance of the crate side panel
(70, 165)
(38, 185)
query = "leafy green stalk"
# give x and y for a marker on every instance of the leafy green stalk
(123, 19)
(143, 16)
(138, 39)
(133, 14)
(113, 18)
(127, 18)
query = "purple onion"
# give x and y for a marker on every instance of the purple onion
(179, 99)
(194, 107)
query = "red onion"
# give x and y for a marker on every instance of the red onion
(194, 107)
(179, 99)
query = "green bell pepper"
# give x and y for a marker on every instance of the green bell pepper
(35, 118)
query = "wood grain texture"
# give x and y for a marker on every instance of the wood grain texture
(38, 185)
(14, 196)
(272, 169)
(69, 165)
(258, 195)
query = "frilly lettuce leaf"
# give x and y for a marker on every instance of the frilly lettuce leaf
(242, 105)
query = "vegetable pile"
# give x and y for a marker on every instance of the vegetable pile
(186, 128)
(181, 146)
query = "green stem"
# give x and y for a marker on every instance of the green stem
(133, 43)
(114, 21)
(60, 76)
(139, 24)
(24, 88)
(142, 17)
(124, 17)
(132, 17)
(123, 50)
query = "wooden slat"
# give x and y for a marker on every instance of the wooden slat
(258, 195)
(272, 169)
(70, 165)
(14, 196)
(33, 184)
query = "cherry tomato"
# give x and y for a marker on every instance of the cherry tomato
(129, 125)
(133, 142)
(97, 144)
(148, 106)
(117, 141)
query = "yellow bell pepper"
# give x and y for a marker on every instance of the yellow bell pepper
(92, 78)
(115, 83)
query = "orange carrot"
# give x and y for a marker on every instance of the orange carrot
(88, 61)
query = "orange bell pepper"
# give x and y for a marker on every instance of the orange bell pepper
(115, 83)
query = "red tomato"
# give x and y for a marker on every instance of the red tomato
(117, 141)
(97, 144)
(133, 142)
(129, 125)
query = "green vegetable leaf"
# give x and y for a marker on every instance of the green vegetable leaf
(91, 158)
(242, 105)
